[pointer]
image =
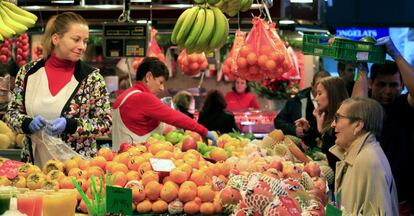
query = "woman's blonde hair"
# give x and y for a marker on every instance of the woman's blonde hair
(183, 99)
(58, 24)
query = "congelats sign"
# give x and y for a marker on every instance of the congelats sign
(358, 33)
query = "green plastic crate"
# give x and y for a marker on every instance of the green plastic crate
(343, 49)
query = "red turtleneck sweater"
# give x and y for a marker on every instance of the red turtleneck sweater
(59, 72)
(240, 102)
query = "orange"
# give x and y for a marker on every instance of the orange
(82, 183)
(218, 154)
(149, 176)
(122, 158)
(206, 193)
(98, 161)
(186, 168)
(66, 183)
(132, 175)
(186, 194)
(144, 167)
(159, 206)
(135, 162)
(109, 166)
(199, 178)
(178, 176)
(69, 164)
(77, 173)
(207, 208)
(83, 164)
(152, 190)
(94, 171)
(164, 154)
(223, 168)
(169, 192)
(83, 207)
(119, 167)
(191, 207)
(277, 135)
(138, 193)
(106, 153)
(120, 178)
(144, 206)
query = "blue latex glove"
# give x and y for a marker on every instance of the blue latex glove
(56, 127)
(211, 136)
(389, 45)
(37, 123)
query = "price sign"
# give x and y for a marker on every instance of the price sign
(331, 210)
(118, 200)
(161, 165)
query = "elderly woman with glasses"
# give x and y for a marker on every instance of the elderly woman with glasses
(363, 179)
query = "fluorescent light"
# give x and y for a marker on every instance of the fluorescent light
(62, 2)
(301, 1)
(140, 1)
(300, 32)
(286, 22)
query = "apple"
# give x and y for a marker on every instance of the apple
(188, 143)
(312, 169)
(319, 183)
(194, 135)
(124, 147)
(276, 164)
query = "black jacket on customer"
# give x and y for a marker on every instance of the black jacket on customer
(285, 120)
(221, 121)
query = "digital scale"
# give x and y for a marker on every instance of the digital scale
(125, 39)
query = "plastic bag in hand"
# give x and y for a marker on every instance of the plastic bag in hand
(47, 147)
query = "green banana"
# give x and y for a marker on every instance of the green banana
(196, 29)
(225, 35)
(1, 38)
(178, 26)
(187, 25)
(17, 17)
(220, 27)
(5, 31)
(213, 2)
(18, 27)
(18, 10)
(245, 5)
(207, 32)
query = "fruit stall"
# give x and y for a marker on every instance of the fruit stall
(176, 172)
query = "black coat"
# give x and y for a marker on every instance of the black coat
(221, 121)
(285, 120)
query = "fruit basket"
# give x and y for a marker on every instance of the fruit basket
(343, 49)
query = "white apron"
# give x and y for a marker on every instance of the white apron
(121, 134)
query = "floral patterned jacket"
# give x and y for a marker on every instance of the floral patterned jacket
(88, 111)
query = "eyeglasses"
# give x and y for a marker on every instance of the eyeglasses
(339, 116)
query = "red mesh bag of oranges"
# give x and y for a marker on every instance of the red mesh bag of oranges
(192, 64)
(264, 58)
(153, 50)
(230, 66)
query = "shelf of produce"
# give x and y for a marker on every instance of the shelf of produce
(256, 122)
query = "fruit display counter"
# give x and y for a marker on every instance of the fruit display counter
(167, 173)
(257, 122)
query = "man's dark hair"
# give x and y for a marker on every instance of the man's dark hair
(389, 68)
(320, 74)
(341, 65)
(153, 65)
(214, 102)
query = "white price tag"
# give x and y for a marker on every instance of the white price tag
(362, 56)
(161, 165)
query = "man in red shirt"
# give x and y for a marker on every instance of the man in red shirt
(137, 112)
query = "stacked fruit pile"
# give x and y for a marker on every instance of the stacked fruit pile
(201, 29)
(5, 50)
(22, 45)
(14, 20)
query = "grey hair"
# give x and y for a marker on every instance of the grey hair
(368, 111)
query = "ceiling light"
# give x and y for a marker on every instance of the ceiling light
(62, 1)
(286, 22)
(301, 1)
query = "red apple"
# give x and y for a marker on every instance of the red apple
(276, 164)
(312, 169)
(188, 143)
(124, 147)
(319, 183)
(194, 135)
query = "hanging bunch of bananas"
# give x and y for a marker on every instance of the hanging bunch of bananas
(232, 7)
(14, 20)
(200, 29)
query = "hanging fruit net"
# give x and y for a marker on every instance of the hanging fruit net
(153, 50)
(191, 65)
(233, 60)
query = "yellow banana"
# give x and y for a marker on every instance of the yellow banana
(206, 33)
(18, 10)
(17, 17)
(220, 22)
(5, 31)
(17, 27)
(226, 33)
(178, 25)
(196, 29)
(187, 25)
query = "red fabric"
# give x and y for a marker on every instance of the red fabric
(59, 73)
(143, 112)
(240, 102)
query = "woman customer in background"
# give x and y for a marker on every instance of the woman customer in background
(62, 90)
(183, 101)
(363, 176)
(240, 99)
(213, 115)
